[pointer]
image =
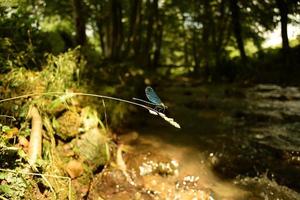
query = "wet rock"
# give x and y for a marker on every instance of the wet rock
(291, 116)
(259, 116)
(274, 92)
(266, 88)
(279, 137)
(92, 147)
(264, 188)
(112, 184)
(281, 158)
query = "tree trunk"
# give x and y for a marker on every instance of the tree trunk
(159, 22)
(152, 7)
(196, 70)
(283, 10)
(207, 23)
(99, 25)
(235, 16)
(197, 51)
(117, 29)
(134, 22)
(218, 37)
(80, 22)
(185, 46)
(158, 43)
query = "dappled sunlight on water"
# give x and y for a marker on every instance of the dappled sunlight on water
(193, 163)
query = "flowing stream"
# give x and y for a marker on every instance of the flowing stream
(235, 143)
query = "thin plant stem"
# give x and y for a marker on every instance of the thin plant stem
(80, 94)
(8, 116)
(141, 100)
(150, 109)
(105, 115)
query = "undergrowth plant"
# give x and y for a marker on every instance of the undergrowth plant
(52, 93)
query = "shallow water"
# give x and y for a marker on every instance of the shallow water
(242, 143)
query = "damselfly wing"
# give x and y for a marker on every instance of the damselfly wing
(152, 96)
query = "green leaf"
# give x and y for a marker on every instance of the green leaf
(5, 128)
(6, 189)
(3, 175)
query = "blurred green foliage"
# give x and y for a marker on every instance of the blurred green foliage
(138, 32)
